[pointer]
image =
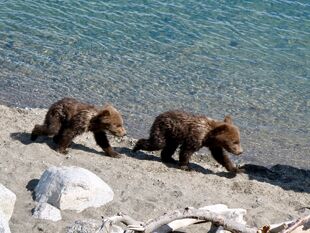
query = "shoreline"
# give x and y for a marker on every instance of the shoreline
(144, 187)
(263, 147)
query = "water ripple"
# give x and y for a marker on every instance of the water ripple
(249, 59)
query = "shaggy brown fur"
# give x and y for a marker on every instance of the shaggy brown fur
(174, 128)
(68, 118)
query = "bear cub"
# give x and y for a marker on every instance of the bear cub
(192, 132)
(68, 118)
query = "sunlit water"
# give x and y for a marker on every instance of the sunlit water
(250, 59)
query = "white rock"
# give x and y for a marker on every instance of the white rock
(7, 202)
(46, 211)
(72, 188)
(4, 224)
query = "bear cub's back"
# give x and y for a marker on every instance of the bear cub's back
(69, 107)
(180, 125)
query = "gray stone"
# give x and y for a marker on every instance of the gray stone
(92, 226)
(46, 211)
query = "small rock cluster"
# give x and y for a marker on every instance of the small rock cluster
(59, 188)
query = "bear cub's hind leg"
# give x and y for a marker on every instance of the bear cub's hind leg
(149, 144)
(43, 130)
(168, 151)
(51, 127)
(65, 140)
(184, 157)
(141, 144)
(59, 135)
(37, 131)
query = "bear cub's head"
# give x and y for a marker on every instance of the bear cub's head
(227, 136)
(111, 120)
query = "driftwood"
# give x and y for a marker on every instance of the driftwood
(108, 223)
(286, 227)
(219, 215)
(275, 228)
(299, 222)
(198, 214)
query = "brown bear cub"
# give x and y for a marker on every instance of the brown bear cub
(68, 118)
(174, 128)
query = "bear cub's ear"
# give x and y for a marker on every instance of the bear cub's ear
(228, 119)
(108, 106)
(107, 110)
(104, 113)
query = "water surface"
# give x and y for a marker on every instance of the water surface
(249, 59)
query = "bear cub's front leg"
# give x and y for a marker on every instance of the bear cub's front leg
(102, 140)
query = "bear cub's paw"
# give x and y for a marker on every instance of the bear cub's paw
(62, 151)
(169, 160)
(114, 154)
(185, 168)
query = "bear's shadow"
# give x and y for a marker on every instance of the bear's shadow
(31, 186)
(145, 156)
(24, 138)
(284, 176)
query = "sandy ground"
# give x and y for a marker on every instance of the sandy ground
(144, 187)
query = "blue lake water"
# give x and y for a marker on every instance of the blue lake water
(250, 59)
